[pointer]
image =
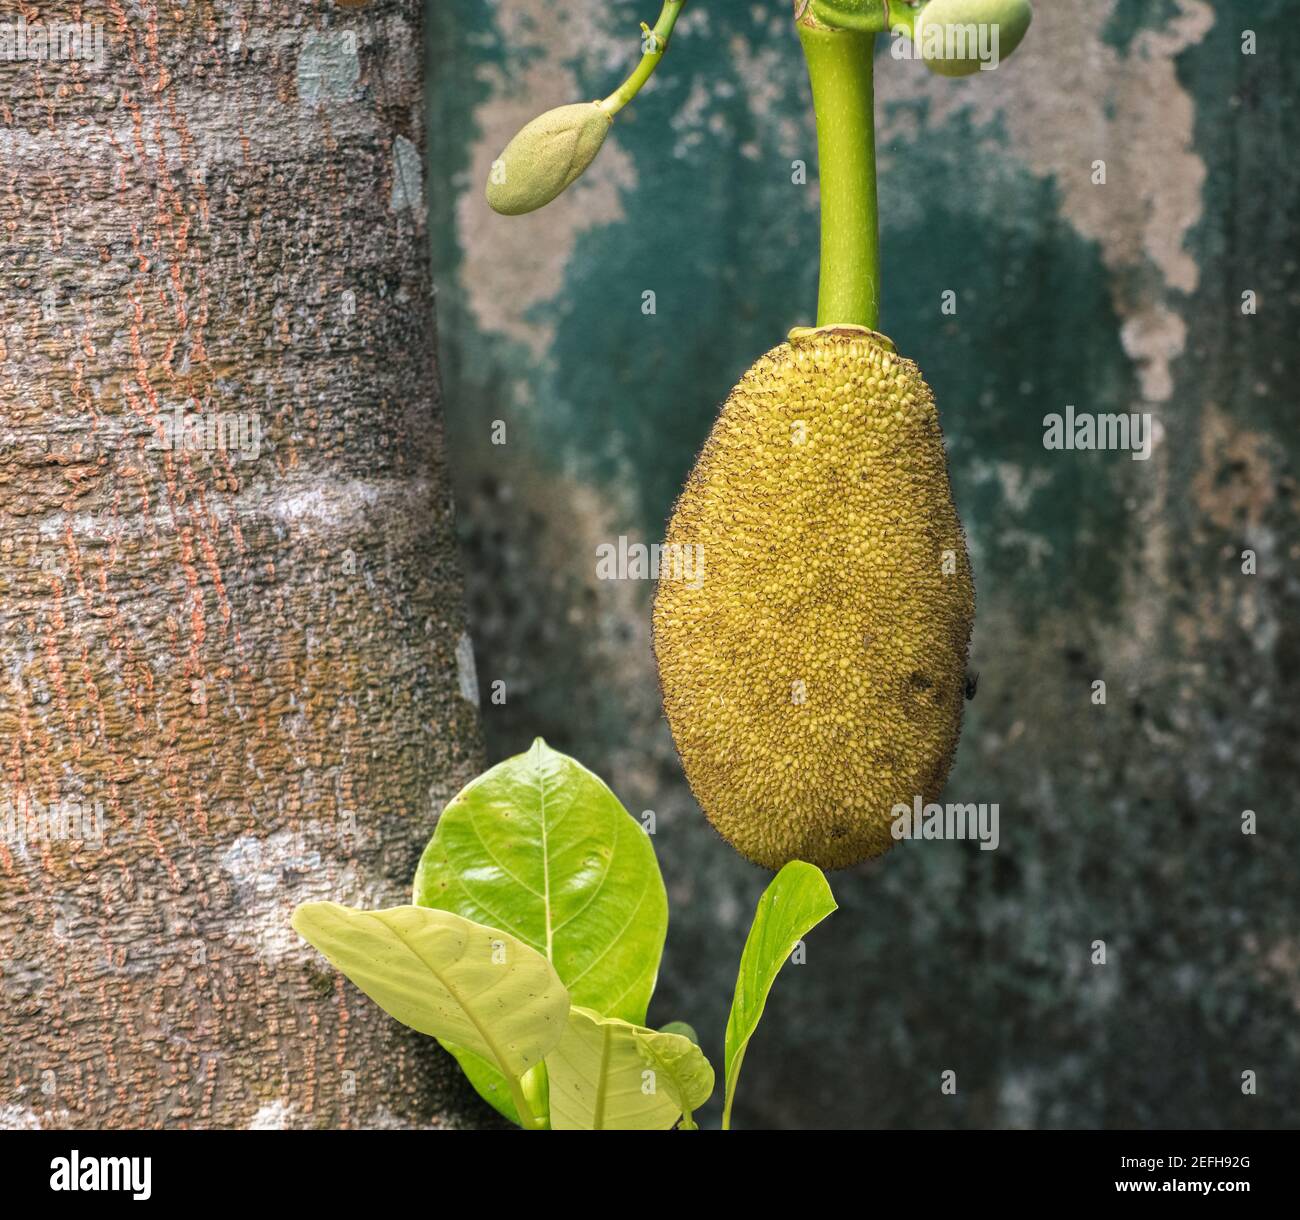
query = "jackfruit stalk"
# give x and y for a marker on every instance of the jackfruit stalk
(814, 678)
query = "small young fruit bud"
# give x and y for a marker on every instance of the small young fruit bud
(546, 156)
(955, 37)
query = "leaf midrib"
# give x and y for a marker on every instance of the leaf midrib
(546, 862)
(488, 1040)
(602, 1079)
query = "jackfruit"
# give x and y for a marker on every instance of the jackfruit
(814, 677)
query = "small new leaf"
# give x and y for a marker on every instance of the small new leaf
(683, 1028)
(798, 899)
(680, 1066)
(609, 1075)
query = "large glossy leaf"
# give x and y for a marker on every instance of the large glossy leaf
(797, 900)
(446, 976)
(540, 847)
(609, 1075)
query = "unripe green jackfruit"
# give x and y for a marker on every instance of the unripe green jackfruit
(814, 678)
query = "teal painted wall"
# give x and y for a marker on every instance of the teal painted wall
(1119, 823)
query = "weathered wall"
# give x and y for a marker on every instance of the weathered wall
(1119, 823)
(235, 670)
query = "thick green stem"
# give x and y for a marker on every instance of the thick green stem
(840, 69)
(654, 44)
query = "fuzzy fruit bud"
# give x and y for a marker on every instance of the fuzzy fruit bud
(955, 37)
(546, 156)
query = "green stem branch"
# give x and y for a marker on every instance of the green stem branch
(840, 70)
(654, 44)
(733, 1077)
(527, 1119)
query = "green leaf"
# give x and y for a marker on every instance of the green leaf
(798, 899)
(681, 1068)
(456, 980)
(609, 1075)
(540, 847)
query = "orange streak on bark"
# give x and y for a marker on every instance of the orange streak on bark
(309, 1069)
(56, 624)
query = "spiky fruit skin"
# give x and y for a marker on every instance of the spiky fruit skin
(815, 677)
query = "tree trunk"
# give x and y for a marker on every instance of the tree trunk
(234, 670)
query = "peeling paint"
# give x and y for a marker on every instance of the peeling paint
(1069, 98)
(1120, 818)
(1239, 504)
(513, 264)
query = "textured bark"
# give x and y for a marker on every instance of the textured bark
(250, 661)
